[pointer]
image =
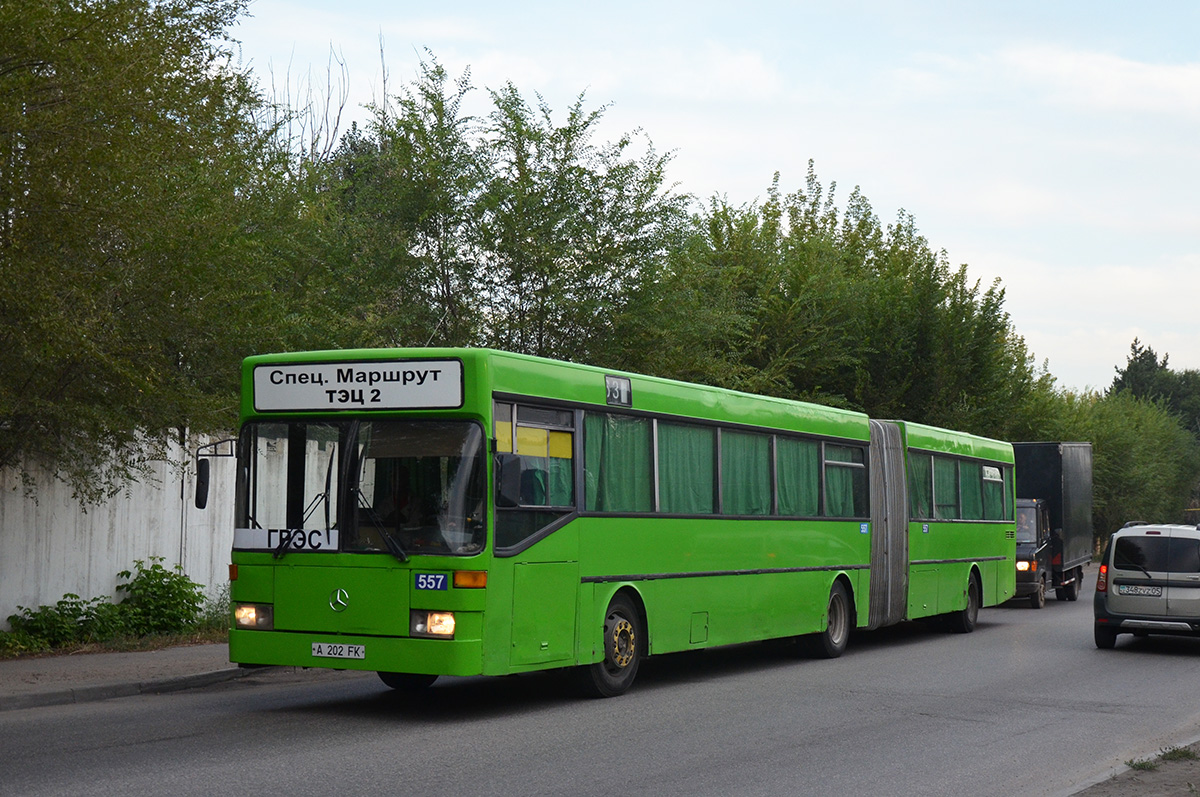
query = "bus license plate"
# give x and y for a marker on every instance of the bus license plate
(1139, 589)
(328, 650)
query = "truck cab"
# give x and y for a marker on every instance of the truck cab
(1034, 551)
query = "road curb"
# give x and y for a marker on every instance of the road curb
(91, 694)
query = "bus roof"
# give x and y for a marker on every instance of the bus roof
(947, 441)
(519, 375)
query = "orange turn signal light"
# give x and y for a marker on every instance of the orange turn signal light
(470, 579)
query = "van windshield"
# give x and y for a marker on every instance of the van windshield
(1157, 554)
(1026, 524)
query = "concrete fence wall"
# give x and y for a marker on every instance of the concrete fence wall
(50, 545)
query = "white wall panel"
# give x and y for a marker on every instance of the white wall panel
(50, 545)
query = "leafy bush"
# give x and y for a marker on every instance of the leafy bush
(71, 620)
(215, 614)
(17, 643)
(160, 601)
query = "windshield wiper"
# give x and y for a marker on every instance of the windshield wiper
(393, 546)
(1126, 565)
(285, 540)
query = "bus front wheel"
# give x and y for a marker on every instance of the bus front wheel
(407, 682)
(624, 647)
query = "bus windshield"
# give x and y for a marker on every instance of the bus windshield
(420, 483)
(397, 487)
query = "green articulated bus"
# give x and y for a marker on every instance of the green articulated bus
(427, 512)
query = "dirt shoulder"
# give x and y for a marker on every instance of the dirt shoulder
(1174, 773)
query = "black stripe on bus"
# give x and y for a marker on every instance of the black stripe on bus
(958, 561)
(713, 573)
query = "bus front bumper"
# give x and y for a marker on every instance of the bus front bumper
(345, 652)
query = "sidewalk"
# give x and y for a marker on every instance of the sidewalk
(84, 677)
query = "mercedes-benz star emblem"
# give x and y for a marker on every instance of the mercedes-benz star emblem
(339, 599)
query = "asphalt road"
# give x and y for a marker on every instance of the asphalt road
(1026, 704)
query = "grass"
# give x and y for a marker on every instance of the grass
(1142, 765)
(200, 636)
(1177, 754)
(1165, 754)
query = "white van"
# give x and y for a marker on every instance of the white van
(1149, 583)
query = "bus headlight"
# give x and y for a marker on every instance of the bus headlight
(256, 616)
(438, 625)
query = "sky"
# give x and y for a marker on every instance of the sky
(1054, 146)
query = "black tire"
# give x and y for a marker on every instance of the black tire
(1072, 589)
(1106, 637)
(831, 643)
(407, 682)
(1037, 599)
(624, 647)
(963, 621)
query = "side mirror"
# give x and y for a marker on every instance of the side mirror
(202, 466)
(221, 448)
(508, 480)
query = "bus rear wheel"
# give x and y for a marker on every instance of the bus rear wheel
(831, 643)
(963, 621)
(407, 682)
(624, 647)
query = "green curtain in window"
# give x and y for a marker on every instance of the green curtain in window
(993, 500)
(945, 488)
(845, 486)
(920, 486)
(535, 481)
(746, 474)
(994, 493)
(970, 476)
(617, 460)
(685, 469)
(839, 490)
(799, 479)
(561, 482)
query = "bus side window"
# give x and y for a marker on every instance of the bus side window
(508, 480)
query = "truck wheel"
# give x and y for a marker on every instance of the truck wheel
(1072, 589)
(1038, 598)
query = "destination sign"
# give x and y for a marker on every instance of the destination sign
(390, 385)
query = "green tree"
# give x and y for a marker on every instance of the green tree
(1144, 463)
(407, 189)
(836, 308)
(511, 230)
(143, 230)
(1145, 376)
(571, 232)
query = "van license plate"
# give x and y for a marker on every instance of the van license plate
(327, 650)
(1139, 589)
